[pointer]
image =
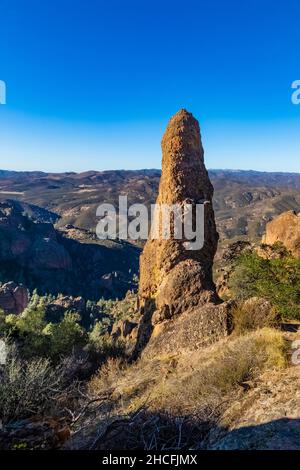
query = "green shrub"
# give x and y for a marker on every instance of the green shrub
(276, 280)
(28, 328)
(65, 335)
(37, 338)
(120, 309)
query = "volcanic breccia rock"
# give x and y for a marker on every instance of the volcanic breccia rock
(176, 291)
(284, 229)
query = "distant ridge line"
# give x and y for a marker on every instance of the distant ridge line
(4, 173)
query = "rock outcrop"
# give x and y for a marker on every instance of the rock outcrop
(284, 229)
(124, 329)
(14, 298)
(37, 255)
(173, 279)
(264, 418)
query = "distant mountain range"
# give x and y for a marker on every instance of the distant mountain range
(263, 177)
(282, 179)
(244, 200)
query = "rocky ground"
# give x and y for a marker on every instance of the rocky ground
(266, 417)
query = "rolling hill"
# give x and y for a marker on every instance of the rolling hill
(244, 201)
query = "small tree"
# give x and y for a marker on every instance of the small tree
(65, 336)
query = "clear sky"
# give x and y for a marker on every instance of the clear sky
(91, 84)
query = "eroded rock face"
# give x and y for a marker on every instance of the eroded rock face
(14, 298)
(174, 280)
(284, 229)
(34, 253)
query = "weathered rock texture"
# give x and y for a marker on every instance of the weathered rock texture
(14, 298)
(174, 280)
(284, 229)
(266, 417)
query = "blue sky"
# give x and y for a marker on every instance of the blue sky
(91, 84)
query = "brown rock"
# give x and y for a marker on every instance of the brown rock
(56, 309)
(173, 279)
(70, 303)
(14, 298)
(128, 327)
(124, 329)
(195, 328)
(284, 229)
(264, 418)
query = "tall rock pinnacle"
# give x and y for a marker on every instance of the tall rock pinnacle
(173, 279)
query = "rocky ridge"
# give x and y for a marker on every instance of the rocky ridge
(35, 254)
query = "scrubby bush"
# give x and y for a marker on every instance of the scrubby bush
(120, 309)
(107, 375)
(253, 314)
(3, 326)
(65, 335)
(47, 362)
(37, 338)
(276, 280)
(28, 387)
(102, 346)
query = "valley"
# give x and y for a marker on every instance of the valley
(244, 201)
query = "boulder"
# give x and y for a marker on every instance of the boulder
(70, 303)
(14, 298)
(124, 329)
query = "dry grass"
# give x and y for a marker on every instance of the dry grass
(195, 383)
(172, 402)
(252, 315)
